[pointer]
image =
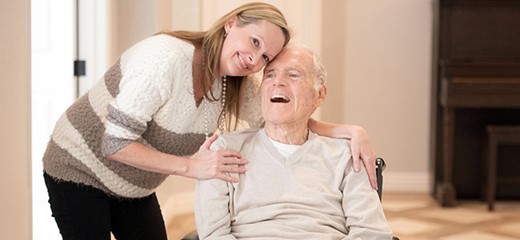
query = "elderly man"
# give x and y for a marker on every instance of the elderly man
(298, 185)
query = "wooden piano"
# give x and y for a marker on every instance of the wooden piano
(476, 82)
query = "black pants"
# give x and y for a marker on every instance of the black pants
(84, 212)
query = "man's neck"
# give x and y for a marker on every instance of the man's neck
(288, 134)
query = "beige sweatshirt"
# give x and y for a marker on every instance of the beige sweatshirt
(312, 194)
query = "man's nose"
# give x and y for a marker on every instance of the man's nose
(278, 80)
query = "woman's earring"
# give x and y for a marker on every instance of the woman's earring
(225, 34)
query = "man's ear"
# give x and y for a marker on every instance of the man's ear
(230, 23)
(322, 93)
(321, 97)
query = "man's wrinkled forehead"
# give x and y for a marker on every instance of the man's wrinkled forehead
(288, 59)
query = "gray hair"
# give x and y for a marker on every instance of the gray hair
(318, 69)
(320, 74)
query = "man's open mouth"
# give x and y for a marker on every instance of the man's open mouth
(280, 99)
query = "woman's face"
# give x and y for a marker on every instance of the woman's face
(248, 48)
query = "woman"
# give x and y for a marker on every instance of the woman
(151, 116)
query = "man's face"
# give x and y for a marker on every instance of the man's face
(287, 89)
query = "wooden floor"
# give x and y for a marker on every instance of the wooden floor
(419, 217)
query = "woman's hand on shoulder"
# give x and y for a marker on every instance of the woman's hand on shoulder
(208, 164)
(362, 151)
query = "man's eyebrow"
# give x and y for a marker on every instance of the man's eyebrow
(269, 70)
(294, 68)
(286, 69)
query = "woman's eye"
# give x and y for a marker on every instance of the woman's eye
(256, 43)
(266, 58)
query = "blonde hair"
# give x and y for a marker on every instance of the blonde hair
(212, 40)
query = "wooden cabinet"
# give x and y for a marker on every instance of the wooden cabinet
(476, 82)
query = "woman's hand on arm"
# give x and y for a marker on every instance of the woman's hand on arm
(204, 164)
(359, 143)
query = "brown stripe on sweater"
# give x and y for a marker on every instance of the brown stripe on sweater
(56, 158)
(60, 164)
(142, 178)
(111, 144)
(85, 120)
(121, 119)
(89, 125)
(113, 77)
(181, 144)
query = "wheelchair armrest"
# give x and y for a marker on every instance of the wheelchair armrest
(380, 166)
(191, 236)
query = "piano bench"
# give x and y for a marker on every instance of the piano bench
(497, 135)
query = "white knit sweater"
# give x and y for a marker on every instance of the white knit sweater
(146, 96)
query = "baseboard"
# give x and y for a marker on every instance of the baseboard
(406, 182)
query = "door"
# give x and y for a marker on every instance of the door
(52, 38)
(56, 41)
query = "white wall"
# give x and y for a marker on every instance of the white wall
(378, 55)
(15, 177)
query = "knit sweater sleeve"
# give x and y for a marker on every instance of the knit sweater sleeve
(147, 71)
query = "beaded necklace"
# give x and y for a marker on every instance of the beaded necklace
(223, 114)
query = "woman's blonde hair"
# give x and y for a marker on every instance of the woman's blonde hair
(212, 40)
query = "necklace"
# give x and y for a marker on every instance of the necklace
(223, 103)
(223, 113)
